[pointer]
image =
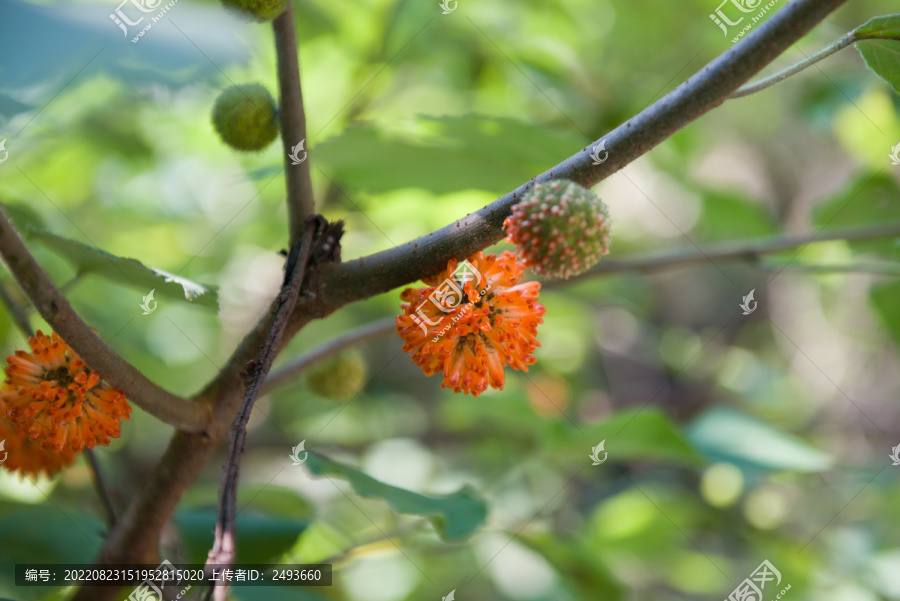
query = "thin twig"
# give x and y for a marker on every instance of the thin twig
(848, 39)
(361, 335)
(731, 251)
(756, 86)
(55, 309)
(887, 269)
(101, 488)
(300, 201)
(224, 549)
(19, 317)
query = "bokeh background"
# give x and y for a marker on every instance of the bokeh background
(731, 439)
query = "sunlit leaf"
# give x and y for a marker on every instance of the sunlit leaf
(632, 436)
(449, 154)
(90, 260)
(455, 516)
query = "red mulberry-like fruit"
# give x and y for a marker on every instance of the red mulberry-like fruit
(560, 229)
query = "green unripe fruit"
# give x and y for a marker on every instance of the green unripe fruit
(259, 10)
(245, 117)
(560, 228)
(339, 378)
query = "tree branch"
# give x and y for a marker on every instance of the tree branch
(365, 333)
(55, 309)
(300, 200)
(708, 88)
(224, 548)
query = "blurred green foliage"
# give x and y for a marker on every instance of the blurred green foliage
(731, 438)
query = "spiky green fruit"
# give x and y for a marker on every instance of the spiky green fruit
(259, 10)
(339, 378)
(559, 228)
(245, 117)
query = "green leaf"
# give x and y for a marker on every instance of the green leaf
(44, 534)
(270, 500)
(22, 215)
(882, 54)
(47, 534)
(260, 538)
(445, 154)
(455, 516)
(885, 297)
(632, 436)
(865, 200)
(885, 26)
(270, 521)
(90, 260)
(727, 435)
(729, 217)
(581, 568)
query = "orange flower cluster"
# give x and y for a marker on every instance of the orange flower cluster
(472, 320)
(26, 456)
(53, 406)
